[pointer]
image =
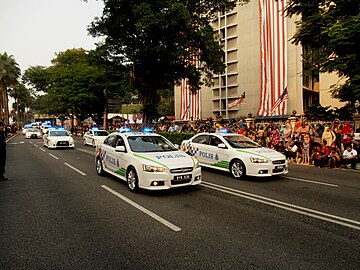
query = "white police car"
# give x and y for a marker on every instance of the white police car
(95, 136)
(146, 160)
(33, 133)
(235, 153)
(58, 138)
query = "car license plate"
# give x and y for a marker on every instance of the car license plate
(279, 167)
(182, 177)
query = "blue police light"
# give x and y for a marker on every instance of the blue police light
(223, 130)
(123, 129)
(95, 128)
(147, 130)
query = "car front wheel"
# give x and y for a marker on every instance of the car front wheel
(237, 169)
(132, 179)
(99, 167)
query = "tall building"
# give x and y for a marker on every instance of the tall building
(261, 61)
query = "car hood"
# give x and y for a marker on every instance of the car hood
(58, 138)
(262, 153)
(173, 159)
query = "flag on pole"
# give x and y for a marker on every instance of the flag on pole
(284, 96)
(241, 100)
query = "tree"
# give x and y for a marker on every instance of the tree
(164, 40)
(22, 99)
(9, 74)
(331, 31)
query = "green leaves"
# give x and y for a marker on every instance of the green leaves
(331, 31)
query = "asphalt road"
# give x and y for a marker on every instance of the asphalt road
(56, 213)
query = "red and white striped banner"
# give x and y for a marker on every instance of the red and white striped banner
(273, 55)
(190, 104)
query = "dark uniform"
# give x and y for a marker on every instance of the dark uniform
(2, 151)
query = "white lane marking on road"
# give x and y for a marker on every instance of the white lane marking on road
(144, 210)
(77, 170)
(53, 156)
(42, 149)
(287, 206)
(309, 181)
(86, 151)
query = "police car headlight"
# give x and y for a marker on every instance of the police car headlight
(72, 141)
(258, 160)
(148, 168)
(197, 164)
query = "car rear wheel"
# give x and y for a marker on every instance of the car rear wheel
(99, 167)
(132, 179)
(237, 169)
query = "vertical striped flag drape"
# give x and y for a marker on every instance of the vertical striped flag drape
(190, 104)
(273, 55)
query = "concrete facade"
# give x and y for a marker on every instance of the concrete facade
(239, 31)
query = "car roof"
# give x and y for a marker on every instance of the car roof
(128, 134)
(220, 134)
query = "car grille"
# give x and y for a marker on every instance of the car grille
(182, 170)
(62, 143)
(282, 161)
(278, 170)
(177, 182)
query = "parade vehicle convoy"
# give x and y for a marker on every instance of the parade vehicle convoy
(94, 136)
(146, 160)
(58, 138)
(236, 154)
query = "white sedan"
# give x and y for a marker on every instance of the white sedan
(236, 154)
(146, 160)
(95, 136)
(58, 138)
(31, 133)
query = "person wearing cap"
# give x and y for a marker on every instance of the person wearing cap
(2, 151)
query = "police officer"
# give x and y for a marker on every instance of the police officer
(2, 151)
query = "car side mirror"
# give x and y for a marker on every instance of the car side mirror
(120, 148)
(221, 145)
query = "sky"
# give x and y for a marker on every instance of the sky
(33, 31)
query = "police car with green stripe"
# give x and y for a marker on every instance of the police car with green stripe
(146, 160)
(235, 153)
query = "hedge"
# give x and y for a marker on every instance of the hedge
(176, 137)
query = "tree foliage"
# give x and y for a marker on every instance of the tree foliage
(320, 113)
(164, 40)
(331, 30)
(9, 74)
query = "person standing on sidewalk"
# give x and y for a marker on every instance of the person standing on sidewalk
(3, 135)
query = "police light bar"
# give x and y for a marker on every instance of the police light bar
(147, 130)
(223, 130)
(123, 129)
(95, 128)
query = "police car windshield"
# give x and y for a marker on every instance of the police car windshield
(241, 142)
(150, 144)
(58, 133)
(101, 133)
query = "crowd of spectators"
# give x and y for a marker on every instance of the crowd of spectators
(328, 145)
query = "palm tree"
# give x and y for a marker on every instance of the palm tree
(22, 98)
(9, 74)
